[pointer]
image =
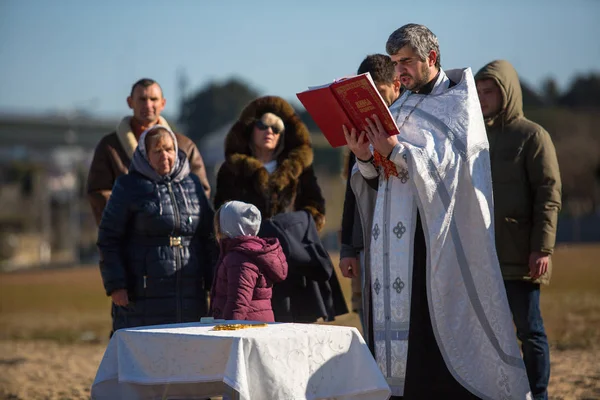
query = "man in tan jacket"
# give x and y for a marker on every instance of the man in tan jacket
(527, 200)
(115, 151)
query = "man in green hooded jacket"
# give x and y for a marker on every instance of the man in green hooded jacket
(527, 200)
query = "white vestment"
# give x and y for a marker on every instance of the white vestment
(443, 169)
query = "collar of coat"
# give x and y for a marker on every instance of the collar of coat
(297, 152)
(127, 137)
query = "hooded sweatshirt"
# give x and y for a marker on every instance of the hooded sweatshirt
(525, 176)
(247, 268)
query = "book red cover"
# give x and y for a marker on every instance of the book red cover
(346, 102)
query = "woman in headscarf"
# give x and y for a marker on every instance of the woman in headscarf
(155, 238)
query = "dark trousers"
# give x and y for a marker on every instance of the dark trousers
(427, 376)
(524, 302)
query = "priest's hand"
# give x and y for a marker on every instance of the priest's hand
(357, 143)
(119, 297)
(538, 264)
(349, 267)
(381, 141)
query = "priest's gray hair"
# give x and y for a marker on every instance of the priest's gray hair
(418, 37)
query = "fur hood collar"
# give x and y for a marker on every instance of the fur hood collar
(127, 138)
(297, 151)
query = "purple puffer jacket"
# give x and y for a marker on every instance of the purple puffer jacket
(243, 284)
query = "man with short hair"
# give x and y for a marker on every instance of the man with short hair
(114, 152)
(438, 319)
(527, 200)
(381, 69)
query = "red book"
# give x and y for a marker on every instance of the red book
(346, 102)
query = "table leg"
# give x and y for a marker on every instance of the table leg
(231, 394)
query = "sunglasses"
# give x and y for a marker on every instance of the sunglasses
(263, 127)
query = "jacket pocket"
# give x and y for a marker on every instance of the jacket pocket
(512, 241)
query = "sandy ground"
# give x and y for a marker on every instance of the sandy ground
(48, 370)
(69, 306)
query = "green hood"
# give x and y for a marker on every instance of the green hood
(505, 76)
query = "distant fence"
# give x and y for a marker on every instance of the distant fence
(584, 229)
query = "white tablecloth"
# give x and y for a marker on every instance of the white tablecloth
(280, 361)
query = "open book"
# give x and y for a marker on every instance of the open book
(348, 101)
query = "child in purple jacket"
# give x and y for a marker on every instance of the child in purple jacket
(248, 266)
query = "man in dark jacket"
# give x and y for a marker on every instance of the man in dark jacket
(527, 200)
(381, 68)
(114, 153)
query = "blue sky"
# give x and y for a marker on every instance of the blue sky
(62, 54)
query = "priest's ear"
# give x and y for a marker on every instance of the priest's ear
(432, 58)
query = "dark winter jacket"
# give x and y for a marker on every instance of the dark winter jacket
(155, 240)
(246, 272)
(525, 177)
(351, 235)
(311, 290)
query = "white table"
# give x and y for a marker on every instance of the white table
(280, 361)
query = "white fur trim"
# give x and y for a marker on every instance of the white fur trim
(127, 137)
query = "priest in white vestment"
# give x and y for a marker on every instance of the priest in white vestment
(439, 321)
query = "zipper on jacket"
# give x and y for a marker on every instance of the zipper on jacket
(145, 284)
(177, 251)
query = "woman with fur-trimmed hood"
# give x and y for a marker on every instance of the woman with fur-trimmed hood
(268, 162)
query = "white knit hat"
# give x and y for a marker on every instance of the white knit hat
(239, 219)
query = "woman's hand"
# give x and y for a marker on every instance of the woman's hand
(381, 141)
(358, 145)
(119, 297)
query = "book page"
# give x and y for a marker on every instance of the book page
(319, 87)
